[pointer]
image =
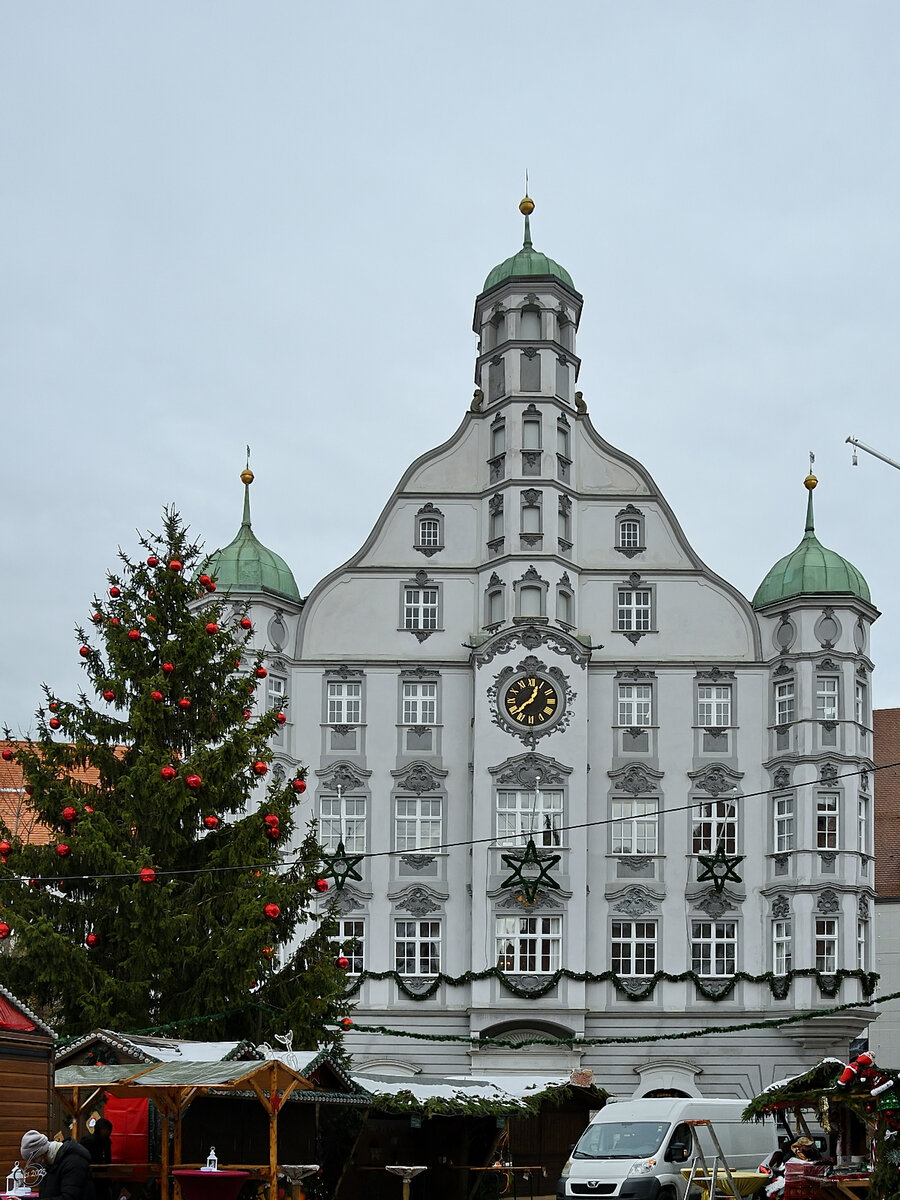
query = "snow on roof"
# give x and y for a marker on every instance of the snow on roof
(175, 1050)
(514, 1089)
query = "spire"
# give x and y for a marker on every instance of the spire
(247, 478)
(810, 483)
(526, 208)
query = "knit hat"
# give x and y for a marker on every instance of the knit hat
(34, 1145)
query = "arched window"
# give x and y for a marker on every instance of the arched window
(531, 601)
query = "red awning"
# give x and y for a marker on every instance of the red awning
(12, 1018)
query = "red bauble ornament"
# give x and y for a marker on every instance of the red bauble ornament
(150, 617)
(270, 819)
(34, 882)
(114, 591)
(184, 703)
(273, 832)
(5, 847)
(147, 874)
(267, 951)
(134, 635)
(168, 772)
(205, 580)
(260, 767)
(4, 930)
(63, 850)
(85, 651)
(321, 885)
(210, 587)
(246, 714)
(272, 911)
(211, 822)
(167, 668)
(29, 789)
(53, 705)
(175, 565)
(152, 560)
(54, 722)
(97, 618)
(261, 672)
(280, 718)
(194, 782)
(212, 627)
(109, 695)
(114, 620)
(346, 1022)
(157, 696)
(6, 755)
(92, 939)
(69, 813)
(299, 786)
(88, 809)
(246, 623)
(342, 962)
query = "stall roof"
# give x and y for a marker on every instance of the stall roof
(797, 1091)
(462, 1094)
(140, 1079)
(144, 1048)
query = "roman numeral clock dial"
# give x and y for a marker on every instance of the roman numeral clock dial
(530, 701)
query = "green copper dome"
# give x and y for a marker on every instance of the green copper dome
(811, 569)
(246, 565)
(528, 261)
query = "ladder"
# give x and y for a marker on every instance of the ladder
(701, 1172)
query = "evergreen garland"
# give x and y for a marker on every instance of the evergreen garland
(632, 989)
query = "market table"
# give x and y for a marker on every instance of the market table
(748, 1183)
(211, 1185)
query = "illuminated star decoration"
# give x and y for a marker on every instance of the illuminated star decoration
(530, 872)
(718, 868)
(341, 866)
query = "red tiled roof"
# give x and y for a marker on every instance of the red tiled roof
(15, 808)
(886, 739)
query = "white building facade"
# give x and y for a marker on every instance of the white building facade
(527, 660)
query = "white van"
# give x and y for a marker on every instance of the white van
(637, 1148)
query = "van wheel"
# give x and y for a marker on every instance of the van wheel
(667, 1194)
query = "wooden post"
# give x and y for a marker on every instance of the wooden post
(273, 1132)
(164, 1157)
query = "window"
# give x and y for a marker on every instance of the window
(521, 814)
(826, 699)
(827, 821)
(862, 944)
(784, 702)
(629, 534)
(633, 609)
(429, 531)
(343, 819)
(498, 439)
(417, 823)
(530, 324)
(563, 440)
(633, 947)
(826, 944)
(862, 825)
(635, 825)
(781, 946)
(419, 703)
(417, 947)
(531, 433)
(564, 529)
(714, 825)
(784, 824)
(531, 511)
(862, 708)
(529, 945)
(714, 706)
(495, 606)
(635, 704)
(420, 608)
(351, 943)
(565, 606)
(713, 948)
(344, 703)
(276, 690)
(531, 601)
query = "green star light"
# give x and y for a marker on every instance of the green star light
(530, 872)
(341, 866)
(718, 868)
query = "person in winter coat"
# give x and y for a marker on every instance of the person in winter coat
(67, 1166)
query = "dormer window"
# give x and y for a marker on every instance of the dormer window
(629, 531)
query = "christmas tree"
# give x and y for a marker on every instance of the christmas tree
(167, 894)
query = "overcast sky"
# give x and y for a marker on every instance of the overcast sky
(228, 222)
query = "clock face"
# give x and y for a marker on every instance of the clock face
(530, 700)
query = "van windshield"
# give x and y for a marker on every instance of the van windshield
(621, 1139)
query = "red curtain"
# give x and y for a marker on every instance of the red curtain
(130, 1122)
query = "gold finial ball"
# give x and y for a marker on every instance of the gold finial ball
(810, 481)
(247, 475)
(526, 206)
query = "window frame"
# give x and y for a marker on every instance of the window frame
(357, 955)
(340, 707)
(544, 958)
(629, 711)
(636, 832)
(515, 824)
(782, 945)
(422, 933)
(347, 822)
(826, 931)
(828, 820)
(784, 823)
(828, 697)
(784, 695)
(715, 706)
(625, 517)
(861, 703)
(419, 709)
(717, 948)
(863, 825)
(420, 615)
(427, 828)
(633, 942)
(632, 616)
(714, 822)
